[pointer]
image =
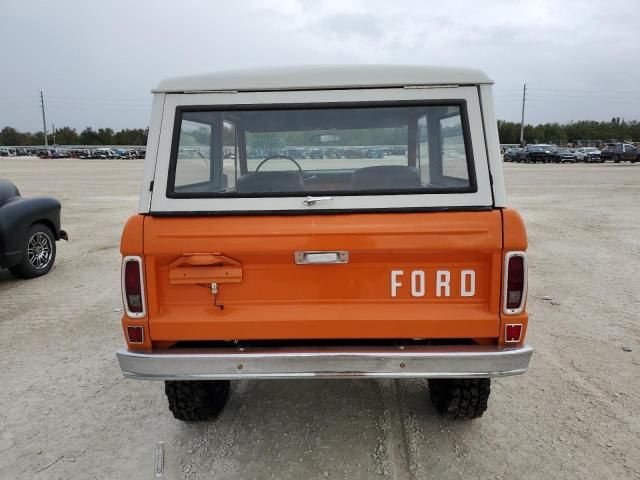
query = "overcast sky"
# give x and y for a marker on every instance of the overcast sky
(97, 60)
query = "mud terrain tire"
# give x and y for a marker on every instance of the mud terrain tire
(193, 401)
(460, 399)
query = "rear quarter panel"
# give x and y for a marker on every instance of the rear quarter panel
(131, 244)
(514, 239)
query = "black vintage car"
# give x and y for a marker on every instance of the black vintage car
(29, 229)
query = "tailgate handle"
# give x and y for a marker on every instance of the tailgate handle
(204, 268)
(321, 258)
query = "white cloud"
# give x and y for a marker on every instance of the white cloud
(96, 61)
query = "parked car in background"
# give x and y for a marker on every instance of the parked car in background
(621, 152)
(4, 152)
(103, 153)
(354, 152)
(588, 155)
(536, 153)
(511, 154)
(610, 151)
(52, 154)
(374, 153)
(29, 228)
(140, 154)
(315, 153)
(562, 155)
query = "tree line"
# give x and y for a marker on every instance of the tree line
(70, 136)
(616, 130)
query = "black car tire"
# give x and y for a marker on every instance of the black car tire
(616, 159)
(197, 400)
(40, 237)
(460, 399)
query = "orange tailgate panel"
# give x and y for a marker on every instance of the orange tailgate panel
(272, 297)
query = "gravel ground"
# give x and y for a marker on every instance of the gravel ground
(66, 412)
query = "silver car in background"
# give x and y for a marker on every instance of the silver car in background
(589, 155)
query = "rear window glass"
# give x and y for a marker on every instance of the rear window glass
(338, 151)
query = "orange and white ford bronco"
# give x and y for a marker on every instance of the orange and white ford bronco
(324, 222)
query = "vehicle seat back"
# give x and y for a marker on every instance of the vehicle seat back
(386, 177)
(258, 182)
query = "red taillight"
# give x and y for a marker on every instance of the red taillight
(132, 286)
(135, 334)
(515, 282)
(513, 331)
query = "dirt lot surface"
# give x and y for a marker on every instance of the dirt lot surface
(67, 413)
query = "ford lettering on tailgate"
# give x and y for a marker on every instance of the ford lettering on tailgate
(438, 283)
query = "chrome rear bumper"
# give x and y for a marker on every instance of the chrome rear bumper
(327, 362)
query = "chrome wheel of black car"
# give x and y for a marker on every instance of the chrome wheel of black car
(39, 251)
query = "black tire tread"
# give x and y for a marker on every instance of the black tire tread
(460, 399)
(197, 400)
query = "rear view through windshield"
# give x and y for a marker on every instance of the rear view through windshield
(348, 151)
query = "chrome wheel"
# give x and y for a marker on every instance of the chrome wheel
(39, 251)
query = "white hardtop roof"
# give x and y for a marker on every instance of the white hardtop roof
(318, 77)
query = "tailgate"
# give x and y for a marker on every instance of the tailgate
(401, 275)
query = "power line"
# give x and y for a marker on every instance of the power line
(580, 90)
(97, 101)
(595, 97)
(507, 89)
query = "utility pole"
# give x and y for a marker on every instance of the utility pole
(44, 120)
(53, 132)
(524, 96)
